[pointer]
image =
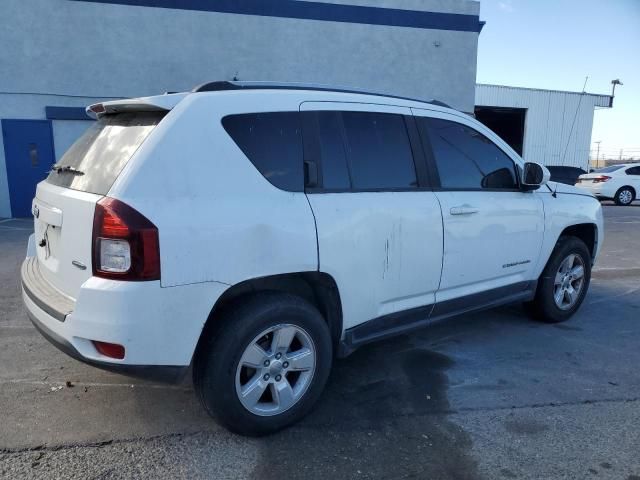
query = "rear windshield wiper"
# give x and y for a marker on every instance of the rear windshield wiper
(66, 168)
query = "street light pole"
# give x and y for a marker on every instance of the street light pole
(613, 90)
(598, 154)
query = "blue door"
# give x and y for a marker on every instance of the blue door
(29, 154)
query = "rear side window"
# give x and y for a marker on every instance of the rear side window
(633, 171)
(466, 159)
(96, 159)
(379, 151)
(335, 171)
(273, 143)
(364, 151)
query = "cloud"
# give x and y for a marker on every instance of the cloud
(506, 6)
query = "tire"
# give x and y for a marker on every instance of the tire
(625, 196)
(224, 385)
(545, 305)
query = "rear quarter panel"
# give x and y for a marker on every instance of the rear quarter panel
(218, 218)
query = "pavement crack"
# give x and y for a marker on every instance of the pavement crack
(100, 444)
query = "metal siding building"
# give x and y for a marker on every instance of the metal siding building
(557, 124)
(71, 53)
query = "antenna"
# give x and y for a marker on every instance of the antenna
(575, 116)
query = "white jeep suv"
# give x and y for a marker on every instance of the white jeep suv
(257, 231)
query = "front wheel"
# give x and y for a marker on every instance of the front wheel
(564, 281)
(267, 364)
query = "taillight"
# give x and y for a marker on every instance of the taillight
(601, 179)
(125, 243)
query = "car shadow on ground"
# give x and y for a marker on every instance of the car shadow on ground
(388, 408)
(385, 412)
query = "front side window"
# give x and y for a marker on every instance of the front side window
(466, 159)
(272, 141)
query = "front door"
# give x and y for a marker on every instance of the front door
(379, 226)
(29, 155)
(492, 229)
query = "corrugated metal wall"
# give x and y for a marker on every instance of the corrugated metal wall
(549, 138)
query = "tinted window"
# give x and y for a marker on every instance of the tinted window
(633, 171)
(466, 159)
(563, 174)
(610, 169)
(378, 151)
(335, 173)
(96, 159)
(273, 143)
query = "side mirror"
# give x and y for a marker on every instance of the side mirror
(534, 176)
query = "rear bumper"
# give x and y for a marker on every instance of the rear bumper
(158, 327)
(600, 190)
(47, 298)
(169, 374)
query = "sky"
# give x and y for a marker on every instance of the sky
(556, 44)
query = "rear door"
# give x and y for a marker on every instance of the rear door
(64, 204)
(28, 148)
(492, 230)
(379, 225)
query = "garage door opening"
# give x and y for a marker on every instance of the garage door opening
(508, 123)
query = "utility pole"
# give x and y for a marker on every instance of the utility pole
(598, 154)
(620, 157)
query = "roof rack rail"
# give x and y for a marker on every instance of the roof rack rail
(224, 85)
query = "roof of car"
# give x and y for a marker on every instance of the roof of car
(169, 100)
(227, 85)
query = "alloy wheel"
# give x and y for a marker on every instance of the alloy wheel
(625, 197)
(275, 370)
(568, 282)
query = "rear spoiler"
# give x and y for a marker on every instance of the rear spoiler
(144, 104)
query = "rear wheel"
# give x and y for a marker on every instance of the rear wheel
(624, 196)
(564, 281)
(266, 366)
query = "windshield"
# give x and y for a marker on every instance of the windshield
(96, 159)
(610, 169)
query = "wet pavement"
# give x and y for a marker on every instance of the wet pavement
(489, 395)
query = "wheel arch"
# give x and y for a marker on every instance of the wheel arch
(587, 232)
(635, 192)
(318, 288)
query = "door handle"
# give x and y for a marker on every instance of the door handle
(463, 210)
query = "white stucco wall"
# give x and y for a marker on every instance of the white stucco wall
(72, 53)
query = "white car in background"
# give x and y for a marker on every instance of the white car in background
(620, 183)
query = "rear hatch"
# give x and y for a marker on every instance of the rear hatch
(65, 202)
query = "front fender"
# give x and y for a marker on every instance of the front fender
(565, 210)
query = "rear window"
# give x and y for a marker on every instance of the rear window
(96, 159)
(610, 169)
(273, 143)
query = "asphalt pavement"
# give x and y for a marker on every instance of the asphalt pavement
(490, 395)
